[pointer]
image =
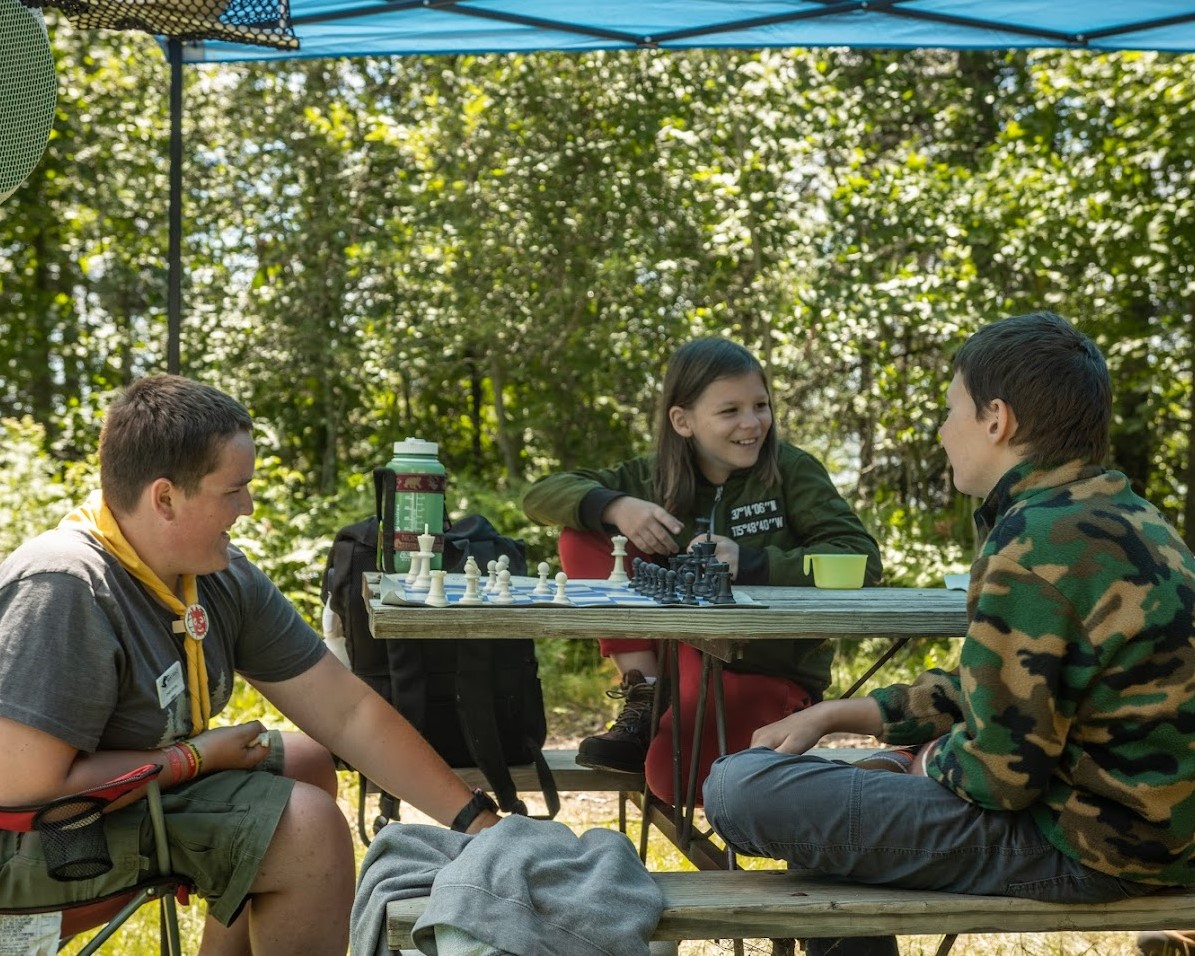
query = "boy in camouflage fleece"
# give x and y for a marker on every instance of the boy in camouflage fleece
(1058, 761)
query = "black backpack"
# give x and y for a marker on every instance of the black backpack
(478, 703)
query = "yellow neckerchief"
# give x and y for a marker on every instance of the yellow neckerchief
(101, 524)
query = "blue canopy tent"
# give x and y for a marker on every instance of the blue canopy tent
(394, 27)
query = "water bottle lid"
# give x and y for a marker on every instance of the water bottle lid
(415, 446)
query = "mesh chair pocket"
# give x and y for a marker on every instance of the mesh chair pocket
(73, 839)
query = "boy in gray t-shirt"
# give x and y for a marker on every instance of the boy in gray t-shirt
(120, 635)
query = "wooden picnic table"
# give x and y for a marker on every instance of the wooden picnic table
(775, 613)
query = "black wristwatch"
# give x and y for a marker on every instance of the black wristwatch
(480, 802)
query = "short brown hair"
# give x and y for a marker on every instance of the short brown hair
(1053, 378)
(164, 426)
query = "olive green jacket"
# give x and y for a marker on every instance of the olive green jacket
(774, 528)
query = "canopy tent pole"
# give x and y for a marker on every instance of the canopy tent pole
(174, 276)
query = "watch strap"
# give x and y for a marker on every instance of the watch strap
(479, 803)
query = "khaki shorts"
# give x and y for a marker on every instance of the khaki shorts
(219, 829)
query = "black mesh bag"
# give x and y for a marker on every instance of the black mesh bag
(258, 22)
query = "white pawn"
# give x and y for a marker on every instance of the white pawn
(413, 569)
(543, 587)
(618, 575)
(492, 584)
(560, 596)
(504, 596)
(472, 593)
(435, 594)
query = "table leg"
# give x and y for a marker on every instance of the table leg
(690, 806)
(880, 662)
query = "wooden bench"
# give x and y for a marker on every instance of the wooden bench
(757, 904)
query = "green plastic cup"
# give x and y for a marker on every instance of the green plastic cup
(839, 571)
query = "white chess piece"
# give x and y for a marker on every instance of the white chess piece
(412, 569)
(492, 584)
(435, 593)
(472, 593)
(503, 562)
(543, 587)
(504, 596)
(618, 575)
(561, 597)
(423, 580)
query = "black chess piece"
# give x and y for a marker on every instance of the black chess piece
(723, 596)
(690, 583)
(637, 575)
(668, 595)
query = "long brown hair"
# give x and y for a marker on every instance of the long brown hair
(691, 370)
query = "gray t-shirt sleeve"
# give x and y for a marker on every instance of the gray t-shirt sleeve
(272, 641)
(62, 676)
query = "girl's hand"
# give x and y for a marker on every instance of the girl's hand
(649, 527)
(231, 748)
(727, 551)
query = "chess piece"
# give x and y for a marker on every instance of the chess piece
(492, 584)
(412, 569)
(472, 594)
(423, 581)
(503, 595)
(618, 575)
(724, 596)
(435, 592)
(668, 596)
(689, 596)
(543, 587)
(561, 595)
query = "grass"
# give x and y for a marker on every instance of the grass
(576, 706)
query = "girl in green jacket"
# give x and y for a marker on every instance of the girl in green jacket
(767, 503)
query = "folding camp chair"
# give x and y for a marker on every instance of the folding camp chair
(72, 833)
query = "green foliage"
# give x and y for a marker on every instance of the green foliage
(36, 491)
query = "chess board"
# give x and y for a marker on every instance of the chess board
(392, 589)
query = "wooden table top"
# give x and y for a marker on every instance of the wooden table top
(776, 613)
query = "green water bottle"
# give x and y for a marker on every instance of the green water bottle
(419, 482)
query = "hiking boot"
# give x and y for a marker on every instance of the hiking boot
(624, 746)
(1166, 942)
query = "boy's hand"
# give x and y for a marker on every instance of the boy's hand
(797, 732)
(232, 748)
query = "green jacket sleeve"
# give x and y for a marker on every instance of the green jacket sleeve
(575, 499)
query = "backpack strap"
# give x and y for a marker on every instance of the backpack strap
(383, 494)
(547, 783)
(475, 709)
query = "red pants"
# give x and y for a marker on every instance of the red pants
(752, 700)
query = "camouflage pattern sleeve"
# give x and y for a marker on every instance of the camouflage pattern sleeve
(917, 712)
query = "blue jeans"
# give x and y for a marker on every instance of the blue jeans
(893, 829)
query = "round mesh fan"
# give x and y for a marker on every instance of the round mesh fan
(27, 93)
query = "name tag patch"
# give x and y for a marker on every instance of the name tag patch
(170, 684)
